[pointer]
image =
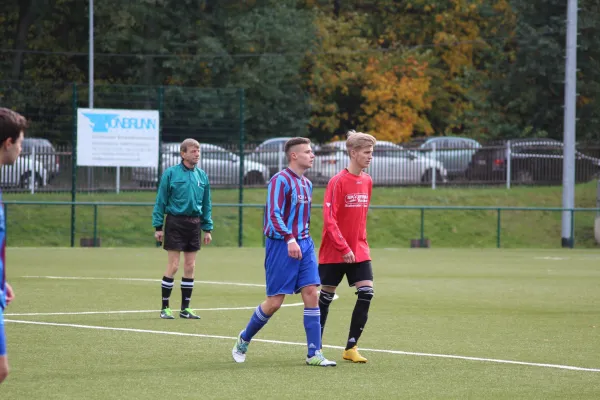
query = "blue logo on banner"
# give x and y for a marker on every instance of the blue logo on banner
(103, 122)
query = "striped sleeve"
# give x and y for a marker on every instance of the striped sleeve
(276, 197)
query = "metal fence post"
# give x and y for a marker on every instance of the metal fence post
(95, 225)
(161, 99)
(422, 227)
(241, 183)
(33, 173)
(572, 241)
(508, 164)
(74, 165)
(498, 230)
(434, 170)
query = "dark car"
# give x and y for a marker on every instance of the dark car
(531, 161)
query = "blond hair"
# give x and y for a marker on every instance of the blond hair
(358, 140)
(189, 143)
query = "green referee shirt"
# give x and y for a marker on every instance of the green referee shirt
(183, 191)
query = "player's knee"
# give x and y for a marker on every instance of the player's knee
(310, 291)
(272, 304)
(365, 293)
(172, 270)
(326, 297)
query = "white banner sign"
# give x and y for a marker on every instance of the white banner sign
(117, 138)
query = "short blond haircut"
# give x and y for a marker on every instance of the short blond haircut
(187, 143)
(358, 140)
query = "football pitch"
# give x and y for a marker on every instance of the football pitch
(451, 324)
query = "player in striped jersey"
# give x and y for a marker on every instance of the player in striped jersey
(290, 262)
(12, 127)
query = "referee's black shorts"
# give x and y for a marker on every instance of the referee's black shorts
(182, 233)
(332, 274)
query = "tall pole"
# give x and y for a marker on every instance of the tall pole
(91, 56)
(90, 172)
(568, 198)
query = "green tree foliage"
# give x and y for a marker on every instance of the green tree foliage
(396, 68)
(527, 90)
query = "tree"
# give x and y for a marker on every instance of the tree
(527, 89)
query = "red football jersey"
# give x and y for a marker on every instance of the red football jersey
(345, 210)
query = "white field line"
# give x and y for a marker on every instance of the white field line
(136, 311)
(138, 279)
(232, 338)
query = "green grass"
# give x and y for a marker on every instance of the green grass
(126, 226)
(519, 305)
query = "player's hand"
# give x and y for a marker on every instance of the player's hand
(207, 238)
(349, 258)
(294, 251)
(158, 235)
(10, 294)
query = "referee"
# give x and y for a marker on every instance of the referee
(184, 196)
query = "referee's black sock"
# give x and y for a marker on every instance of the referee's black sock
(166, 286)
(359, 315)
(187, 285)
(325, 299)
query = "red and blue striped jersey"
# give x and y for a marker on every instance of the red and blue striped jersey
(287, 211)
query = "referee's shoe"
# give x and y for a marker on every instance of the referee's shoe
(188, 314)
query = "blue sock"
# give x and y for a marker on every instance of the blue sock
(257, 321)
(312, 326)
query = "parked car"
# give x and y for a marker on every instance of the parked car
(270, 153)
(531, 161)
(22, 172)
(453, 152)
(222, 166)
(391, 164)
(44, 153)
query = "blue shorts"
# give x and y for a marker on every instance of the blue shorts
(2, 336)
(286, 275)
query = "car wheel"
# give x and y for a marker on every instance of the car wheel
(254, 178)
(26, 181)
(428, 176)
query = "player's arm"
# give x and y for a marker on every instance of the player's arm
(206, 222)
(331, 208)
(158, 214)
(10, 294)
(276, 192)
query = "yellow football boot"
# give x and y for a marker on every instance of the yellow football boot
(353, 355)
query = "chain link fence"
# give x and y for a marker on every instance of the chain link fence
(216, 118)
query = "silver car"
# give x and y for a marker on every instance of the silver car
(221, 166)
(391, 164)
(270, 153)
(452, 151)
(24, 173)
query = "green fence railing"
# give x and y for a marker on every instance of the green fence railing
(237, 226)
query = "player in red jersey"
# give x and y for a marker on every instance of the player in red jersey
(344, 248)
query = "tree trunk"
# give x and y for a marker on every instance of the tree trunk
(26, 18)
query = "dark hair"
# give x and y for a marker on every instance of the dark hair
(11, 125)
(295, 141)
